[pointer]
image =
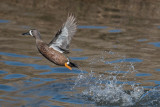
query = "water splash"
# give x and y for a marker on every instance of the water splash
(151, 97)
(111, 89)
(106, 90)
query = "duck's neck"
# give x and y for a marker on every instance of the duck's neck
(38, 37)
(39, 41)
(40, 44)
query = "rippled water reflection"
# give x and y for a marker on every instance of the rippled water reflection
(116, 46)
(4, 21)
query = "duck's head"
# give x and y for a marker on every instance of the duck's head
(34, 33)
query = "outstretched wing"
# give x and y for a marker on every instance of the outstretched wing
(63, 37)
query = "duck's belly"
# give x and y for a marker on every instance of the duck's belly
(57, 58)
(54, 56)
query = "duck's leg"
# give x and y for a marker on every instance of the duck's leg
(67, 66)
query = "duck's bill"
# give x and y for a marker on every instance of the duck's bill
(27, 33)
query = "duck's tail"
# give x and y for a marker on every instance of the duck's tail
(71, 64)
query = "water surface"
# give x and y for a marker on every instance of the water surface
(116, 46)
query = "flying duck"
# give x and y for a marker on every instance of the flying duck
(57, 49)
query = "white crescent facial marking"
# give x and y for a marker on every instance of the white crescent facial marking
(30, 32)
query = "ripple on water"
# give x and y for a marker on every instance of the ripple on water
(91, 27)
(7, 88)
(117, 72)
(35, 66)
(62, 70)
(157, 69)
(12, 76)
(36, 81)
(45, 67)
(157, 82)
(124, 60)
(25, 27)
(143, 74)
(17, 55)
(151, 97)
(115, 31)
(65, 98)
(3, 72)
(4, 21)
(156, 44)
(79, 58)
(158, 27)
(142, 40)
(44, 79)
(79, 50)
(127, 82)
(55, 91)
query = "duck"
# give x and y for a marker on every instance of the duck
(56, 51)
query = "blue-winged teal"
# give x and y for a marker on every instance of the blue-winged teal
(55, 51)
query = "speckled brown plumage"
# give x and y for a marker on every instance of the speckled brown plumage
(49, 53)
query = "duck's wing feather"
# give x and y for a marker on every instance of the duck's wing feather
(63, 37)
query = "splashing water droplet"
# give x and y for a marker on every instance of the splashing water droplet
(110, 90)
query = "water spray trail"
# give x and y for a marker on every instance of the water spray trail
(110, 89)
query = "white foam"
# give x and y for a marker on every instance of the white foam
(107, 90)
